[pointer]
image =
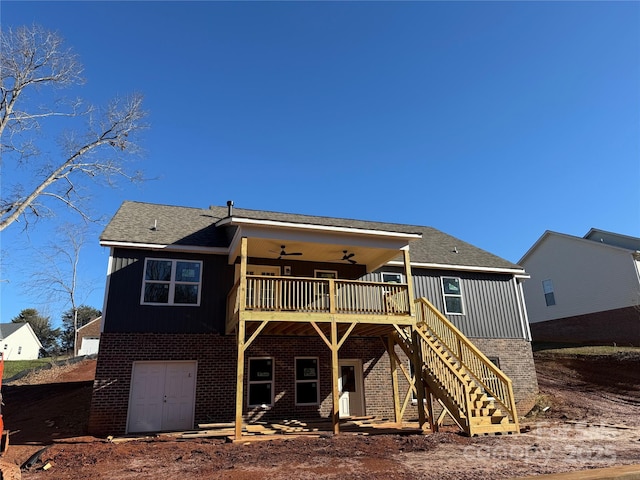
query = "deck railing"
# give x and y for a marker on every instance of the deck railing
(317, 295)
(495, 383)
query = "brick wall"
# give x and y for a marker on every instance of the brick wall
(620, 326)
(516, 361)
(216, 375)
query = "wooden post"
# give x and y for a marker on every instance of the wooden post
(429, 401)
(334, 374)
(241, 338)
(409, 276)
(394, 378)
(332, 296)
(417, 373)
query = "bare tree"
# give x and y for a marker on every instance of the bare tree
(57, 278)
(35, 66)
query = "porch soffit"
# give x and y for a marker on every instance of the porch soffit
(372, 248)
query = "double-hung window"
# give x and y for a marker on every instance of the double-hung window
(260, 382)
(171, 282)
(307, 385)
(549, 296)
(452, 292)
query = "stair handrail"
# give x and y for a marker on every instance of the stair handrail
(499, 386)
(447, 378)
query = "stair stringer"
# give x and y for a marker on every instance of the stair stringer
(448, 386)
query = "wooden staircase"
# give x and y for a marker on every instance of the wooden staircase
(469, 387)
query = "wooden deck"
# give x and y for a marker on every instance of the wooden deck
(296, 301)
(262, 431)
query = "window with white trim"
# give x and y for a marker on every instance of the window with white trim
(549, 296)
(171, 282)
(307, 381)
(452, 293)
(260, 389)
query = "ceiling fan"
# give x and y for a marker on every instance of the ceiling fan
(284, 253)
(347, 257)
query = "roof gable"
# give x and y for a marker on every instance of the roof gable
(7, 329)
(615, 239)
(595, 236)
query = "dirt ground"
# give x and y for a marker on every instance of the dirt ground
(593, 421)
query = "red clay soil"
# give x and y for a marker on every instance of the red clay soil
(592, 422)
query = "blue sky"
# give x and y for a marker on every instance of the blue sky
(490, 121)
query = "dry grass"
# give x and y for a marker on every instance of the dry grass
(44, 375)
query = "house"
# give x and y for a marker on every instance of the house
(584, 289)
(235, 315)
(19, 342)
(89, 337)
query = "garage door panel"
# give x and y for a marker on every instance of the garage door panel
(162, 396)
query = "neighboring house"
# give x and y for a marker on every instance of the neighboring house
(584, 290)
(89, 337)
(19, 342)
(234, 315)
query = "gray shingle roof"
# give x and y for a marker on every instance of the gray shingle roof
(183, 226)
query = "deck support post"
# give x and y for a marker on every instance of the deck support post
(433, 425)
(335, 417)
(409, 277)
(417, 368)
(241, 338)
(394, 378)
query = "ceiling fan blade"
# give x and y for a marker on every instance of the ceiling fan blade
(284, 253)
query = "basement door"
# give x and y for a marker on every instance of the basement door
(351, 388)
(162, 396)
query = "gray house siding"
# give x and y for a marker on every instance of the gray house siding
(124, 313)
(490, 302)
(490, 305)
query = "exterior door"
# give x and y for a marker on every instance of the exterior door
(162, 396)
(351, 388)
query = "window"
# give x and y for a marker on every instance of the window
(260, 381)
(171, 282)
(495, 361)
(388, 277)
(451, 289)
(307, 388)
(549, 297)
(326, 274)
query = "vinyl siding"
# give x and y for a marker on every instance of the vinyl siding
(587, 277)
(490, 304)
(125, 314)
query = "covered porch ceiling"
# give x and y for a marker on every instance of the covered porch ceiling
(316, 243)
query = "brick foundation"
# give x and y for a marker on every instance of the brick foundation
(216, 374)
(620, 326)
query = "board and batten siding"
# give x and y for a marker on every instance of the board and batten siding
(124, 312)
(491, 308)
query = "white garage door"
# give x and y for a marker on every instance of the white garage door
(89, 346)
(162, 396)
